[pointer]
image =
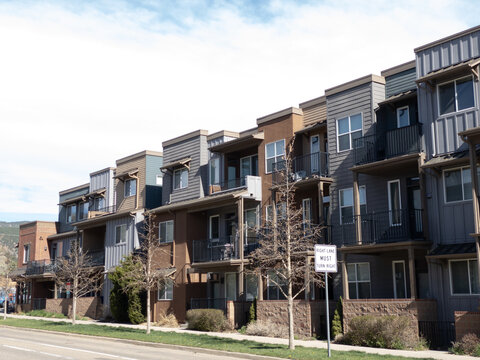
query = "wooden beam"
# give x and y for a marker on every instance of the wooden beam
(346, 295)
(240, 245)
(411, 269)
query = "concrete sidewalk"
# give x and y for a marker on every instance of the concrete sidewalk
(433, 354)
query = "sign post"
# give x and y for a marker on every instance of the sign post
(326, 261)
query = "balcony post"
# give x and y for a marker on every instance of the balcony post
(307, 280)
(421, 177)
(411, 269)
(240, 246)
(346, 295)
(320, 202)
(356, 209)
(260, 287)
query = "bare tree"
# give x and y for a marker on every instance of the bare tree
(286, 243)
(7, 266)
(152, 264)
(79, 273)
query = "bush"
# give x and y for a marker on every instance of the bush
(468, 345)
(266, 328)
(337, 322)
(46, 314)
(207, 320)
(167, 321)
(391, 332)
(252, 312)
(135, 308)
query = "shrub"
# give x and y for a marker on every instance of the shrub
(207, 320)
(167, 321)
(391, 332)
(252, 312)
(266, 328)
(46, 314)
(468, 345)
(119, 304)
(337, 322)
(135, 308)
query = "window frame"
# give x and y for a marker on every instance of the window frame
(356, 281)
(26, 253)
(398, 117)
(454, 81)
(276, 154)
(122, 232)
(180, 183)
(469, 277)
(462, 184)
(69, 218)
(210, 227)
(395, 295)
(353, 204)
(157, 178)
(349, 133)
(125, 187)
(306, 223)
(250, 164)
(82, 214)
(166, 286)
(167, 223)
(97, 201)
(214, 160)
(279, 294)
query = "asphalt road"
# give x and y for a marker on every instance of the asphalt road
(18, 344)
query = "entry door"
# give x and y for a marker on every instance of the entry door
(231, 286)
(315, 154)
(399, 280)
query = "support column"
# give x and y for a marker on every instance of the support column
(307, 280)
(320, 202)
(356, 209)
(241, 247)
(475, 200)
(260, 287)
(411, 269)
(346, 295)
(421, 177)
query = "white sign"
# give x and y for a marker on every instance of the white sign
(325, 258)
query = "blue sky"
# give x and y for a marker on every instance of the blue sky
(86, 83)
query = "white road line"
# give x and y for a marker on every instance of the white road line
(38, 352)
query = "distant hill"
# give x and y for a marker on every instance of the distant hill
(9, 237)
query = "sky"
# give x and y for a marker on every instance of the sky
(83, 83)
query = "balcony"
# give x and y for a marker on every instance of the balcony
(40, 267)
(402, 141)
(384, 227)
(228, 185)
(92, 212)
(303, 167)
(221, 249)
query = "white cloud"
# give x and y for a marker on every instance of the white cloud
(81, 87)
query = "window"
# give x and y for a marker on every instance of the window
(274, 281)
(251, 225)
(130, 187)
(180, 178)
(399, 279)
(458, 184)
(165, 231)
(274, 152)
(348, 129)
(99, 203)
(306, 213)
(455, 96)
(159, 179)
(346, 204)
(165, 290)
(71, 213)
(394, 203)
(120, 234)
(251, 287)
(269, 213)
(214, 171)
(403, 118)
(359, 280)
(248, 166)
(26, 253)
(83, 211)
(214, 227)
(464, 277)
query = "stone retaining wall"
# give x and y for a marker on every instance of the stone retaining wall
(88, 306)
(466, 322)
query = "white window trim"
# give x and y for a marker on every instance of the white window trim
(456, 99)
(210, 227)
(26, 246)
(349, 131)
(390, 212)
(398, 118)
(181, 186)
(75, 217)
(356, 281)
(125, 232)
(157, 177)
(125, 188)
(173, 232)
(404, 278)
(170, 283)
(461, 176)
(469, 278)
(267, 158)
(353, 200)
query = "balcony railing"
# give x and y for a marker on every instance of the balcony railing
(40, 267)
(95, 257)
(305, 166)
(227, 185)
(384, 227)
(225, 248)
(92, 211)
(402, 141)
(209, 303)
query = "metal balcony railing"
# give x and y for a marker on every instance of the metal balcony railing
(224, 248)
(40, 267)
(402, 141)
(383, 227)
(302, 167)
(228, 185)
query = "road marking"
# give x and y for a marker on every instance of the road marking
(38, 352)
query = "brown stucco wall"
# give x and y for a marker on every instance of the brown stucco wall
(128, 203)
(88, 306)
(35, 233)
(466, 322)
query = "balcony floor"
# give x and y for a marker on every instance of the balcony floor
(391, 165)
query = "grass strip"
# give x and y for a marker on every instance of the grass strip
(193, 340)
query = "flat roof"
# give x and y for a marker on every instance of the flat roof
(139, 154)
(399, 68)
(102, 170)
(78, 187)
(222, 133)
(185, 137)
(34, 222)
(285, 112)
(448, 38)
(319, 100)
(243, 142)
(354, 83)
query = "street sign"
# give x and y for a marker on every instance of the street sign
(325, 258)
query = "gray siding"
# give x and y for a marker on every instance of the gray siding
(196, 149)
(103, 180)
(62, 210)
(449, 53)
(114, 253)
(400, 82)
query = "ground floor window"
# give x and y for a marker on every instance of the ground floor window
(165, 290)
(464, 277)
(251, 287)
(274, 282)
(359, 280)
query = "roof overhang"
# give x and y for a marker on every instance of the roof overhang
(398, 163)
(99, 192)
(383, 247)
(241, 143)
(451, 71)
(399, 97)
(129, 174)
(314, 127)
(448, 160)
(165, 272)
(217, 265)
(185, 162)
(100, 219)
(73, 200)
(453, 251)
(471, 135)
(62, 235)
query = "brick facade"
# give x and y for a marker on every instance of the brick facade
(88, 306)
(466, 322)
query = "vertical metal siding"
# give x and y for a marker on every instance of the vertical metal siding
(400, 82)
(114, 253)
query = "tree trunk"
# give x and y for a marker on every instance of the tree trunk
(291, 345)
(148, 311)
(5, 302)
(74, 309)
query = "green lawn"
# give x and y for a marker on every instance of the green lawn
(193, 340)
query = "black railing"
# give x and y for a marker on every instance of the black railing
(401, 141)
(39, 304)
(106, 209)
(383, 227)
(302, 167)
(40, 267)
(95, 257)
(439, 334)
(209, 303)
(228, 185)
(224, 248)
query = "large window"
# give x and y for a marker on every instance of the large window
(458, 184)
(274, 282)
(346, 204)
(248, 166)
(251, 287)
(26, 253)
(165, 290)
(99, 203)
(464, 277)
(455, 96)
(83, 211)
(348, 129)
(120, 234)
(71, 213)
(359, 280)
(130, 187)
(180, 178)
(403, 118)
(214, 227)
(165, 231)
(214, 171)
(274, 152)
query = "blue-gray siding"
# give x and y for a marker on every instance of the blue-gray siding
(103, 180)
(400, 82)
(153, 165)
